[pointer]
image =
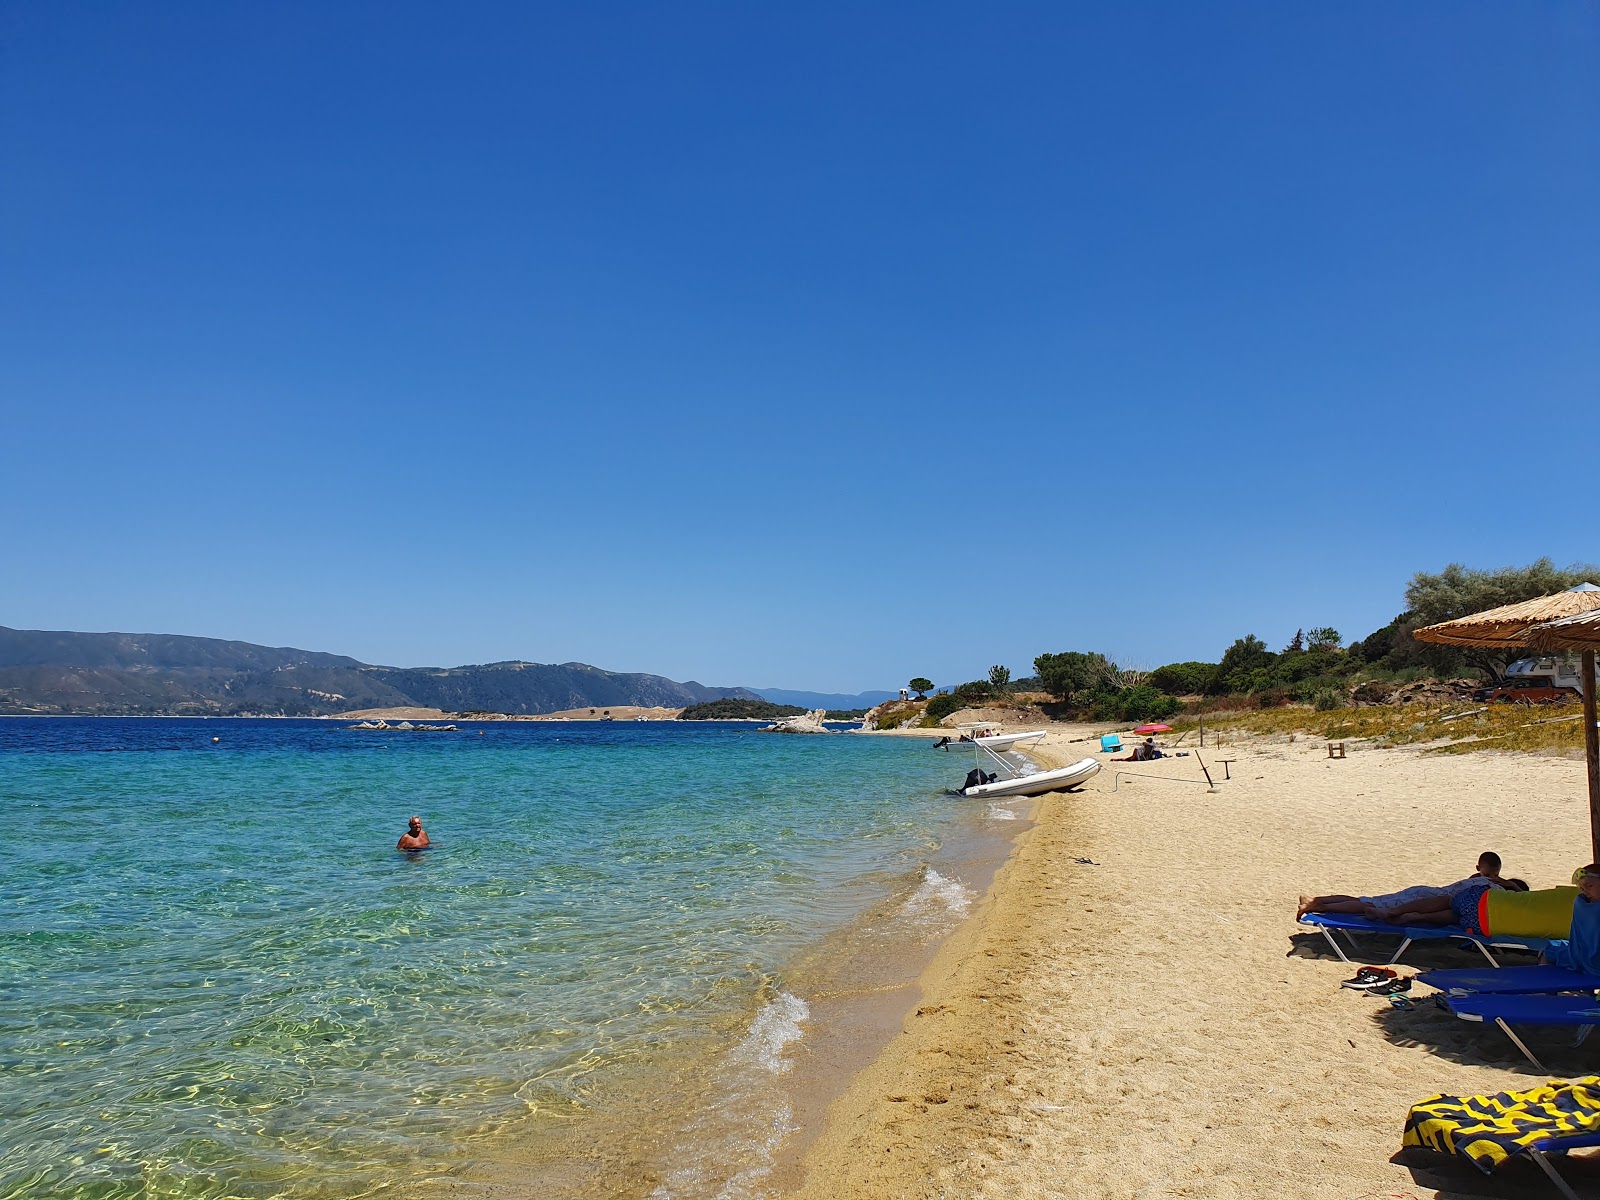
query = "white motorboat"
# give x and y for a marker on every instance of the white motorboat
(997, 741)
(1058, 780)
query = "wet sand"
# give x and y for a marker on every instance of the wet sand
(1132, 1010)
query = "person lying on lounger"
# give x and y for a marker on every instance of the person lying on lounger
(1388, 907)
(1460, 908)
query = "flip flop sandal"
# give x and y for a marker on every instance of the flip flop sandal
(1402, 1001)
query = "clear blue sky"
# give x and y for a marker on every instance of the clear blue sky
(807, 346)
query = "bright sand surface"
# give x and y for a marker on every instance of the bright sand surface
(1133, 1028)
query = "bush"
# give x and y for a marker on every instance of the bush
(945, 703)
(1142, 703)
(975, 692)
(889, 720)
(1328, 699)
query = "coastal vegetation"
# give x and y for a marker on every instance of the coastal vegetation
(1316, 668)
(738, 710)
(1441, 728)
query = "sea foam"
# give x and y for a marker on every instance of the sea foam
(752, 1119)
(938, 896)
(775, 1027)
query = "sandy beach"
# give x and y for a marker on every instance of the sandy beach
(1133, 1012)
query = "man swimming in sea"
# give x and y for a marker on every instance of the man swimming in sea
(414, 838)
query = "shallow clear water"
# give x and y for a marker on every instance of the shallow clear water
(218, 978)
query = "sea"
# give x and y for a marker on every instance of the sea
(637, 960)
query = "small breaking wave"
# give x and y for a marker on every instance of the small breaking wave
(745, 1129)
(937, 896)
(775, 1027)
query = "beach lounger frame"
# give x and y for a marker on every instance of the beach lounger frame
(1327, 923)
(1541, 1151)
(1543, 980)
(1582, 1012)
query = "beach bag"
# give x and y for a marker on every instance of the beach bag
(1545, 914)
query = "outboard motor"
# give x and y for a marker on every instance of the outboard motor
(974, 778)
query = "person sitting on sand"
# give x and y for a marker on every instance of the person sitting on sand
(414, 838)
(1387, 907)
(1145, 751)
(1580, 949)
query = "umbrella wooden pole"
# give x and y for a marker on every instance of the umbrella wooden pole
(1591, 751)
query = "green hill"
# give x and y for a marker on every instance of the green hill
(49, 672)
(738, 710)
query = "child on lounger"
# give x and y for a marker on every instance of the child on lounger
(1387, 908)
(1461, 908)
(1580, 949)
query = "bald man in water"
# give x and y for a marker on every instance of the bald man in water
(414, 838)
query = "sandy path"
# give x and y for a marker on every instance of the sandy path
(1134, 1029)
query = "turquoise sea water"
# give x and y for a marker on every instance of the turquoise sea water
(218, 978)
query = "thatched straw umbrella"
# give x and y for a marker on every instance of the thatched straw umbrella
(1548, 623)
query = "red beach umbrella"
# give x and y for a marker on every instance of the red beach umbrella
(1154, 729)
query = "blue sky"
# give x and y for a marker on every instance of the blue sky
(811, 347)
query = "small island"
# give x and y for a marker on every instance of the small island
(739, 710)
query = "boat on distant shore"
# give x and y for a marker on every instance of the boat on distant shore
(1057, 780)
(996, 775)
(993, 741)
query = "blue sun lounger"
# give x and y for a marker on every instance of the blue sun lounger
(1510, 981)
(1489, 1131)
(1582, 1012)
(1327, 923)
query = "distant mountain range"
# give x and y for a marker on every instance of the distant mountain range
(170, 674)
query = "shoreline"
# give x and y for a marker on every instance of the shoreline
(853, 987)
(1118, 1010)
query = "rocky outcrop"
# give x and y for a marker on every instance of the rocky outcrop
(892, 714)
(1422, 691)
(810, 722)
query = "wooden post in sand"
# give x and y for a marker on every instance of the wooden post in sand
(1591, 752)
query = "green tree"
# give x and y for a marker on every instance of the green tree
(1459, 591)
(919, 685)
(1184, 679)
(1073, 674)
(1000, 679)
(1324, 637)
(1243, 666)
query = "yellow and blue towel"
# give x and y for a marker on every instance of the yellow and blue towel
(1488, 1130)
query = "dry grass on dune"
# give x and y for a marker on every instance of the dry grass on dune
(1457, 728)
